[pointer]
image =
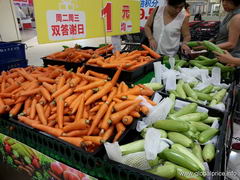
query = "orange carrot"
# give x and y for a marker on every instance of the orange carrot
(70, 99)
(2, 106)
(33, 109)
(116, 76)
(30, 92)
(42, 100)
(72, 140)
(98, 117)
(52, 117)
(50, 130)
(105, 123)
(151, 52)
(120, 129)
(14, 111)
(122, 105)
(45, 79)
(6, 95)
(107, 88)
(60, 107)
(47, 111)
(27, 105)
(27, 121)
(25, 74)
(144, 109)
(127, 120)
(8, 101)
(21, 99)
(135, 114)
(80, 69)
(11, 88)
(75, 126)
(79, 114)
(117, 100)
(89, 78)
(66, 94)
(74, 82)
(136, 90)
(111, 95)
(95, 139)
(75, 104)
(92, 85)
(108, 133)
(88, 93)
(76, 133)
(41, 115)
(104, 98)
(52, 123)
(98, 75)
(61, 82)
(116, 117)
(49, 87)
(60, 91)
(45, 93)
(95, 108)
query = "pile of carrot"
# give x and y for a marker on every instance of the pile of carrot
(79, 55)
(85, 108)
(128, 61)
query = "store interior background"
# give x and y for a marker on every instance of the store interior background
(18, 24)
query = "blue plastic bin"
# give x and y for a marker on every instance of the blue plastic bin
(13, 64)
(11, 52)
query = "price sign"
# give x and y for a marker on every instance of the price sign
(107, 13)
(147, 7)
(61, 20)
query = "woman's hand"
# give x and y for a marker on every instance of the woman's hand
(226, 58)
(185, 49)
(153, 43)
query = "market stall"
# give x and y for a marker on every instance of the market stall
(99, 113)
(191, 108)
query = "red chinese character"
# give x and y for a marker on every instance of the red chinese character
(73, 29)
(123, 26)
(125, 12)
(71, 18)
(55, 30)
(76, 18)
(65, 17)
(64, 29)
(80, 29)
(58, 17)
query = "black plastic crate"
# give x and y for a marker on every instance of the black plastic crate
(19, 63)
(51, 147)
(67, 65)
(90, 163)
(215, 166)
(128, 76)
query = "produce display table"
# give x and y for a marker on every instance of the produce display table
(97, 164)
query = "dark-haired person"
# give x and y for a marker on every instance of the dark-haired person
(228, 37)
(187, 9)
(168, 23)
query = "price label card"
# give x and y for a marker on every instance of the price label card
(62, 20)
(147, 7)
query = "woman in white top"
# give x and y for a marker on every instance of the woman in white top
(168, 23)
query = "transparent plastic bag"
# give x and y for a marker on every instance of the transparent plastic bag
(137, 160)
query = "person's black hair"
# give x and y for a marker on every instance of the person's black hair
(236, 2)
(175, 2)
(186, 5)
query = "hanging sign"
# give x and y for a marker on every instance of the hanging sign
(61, 20)
(147, 7)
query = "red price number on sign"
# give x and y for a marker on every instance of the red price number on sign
(107, 12)
(144, 14)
